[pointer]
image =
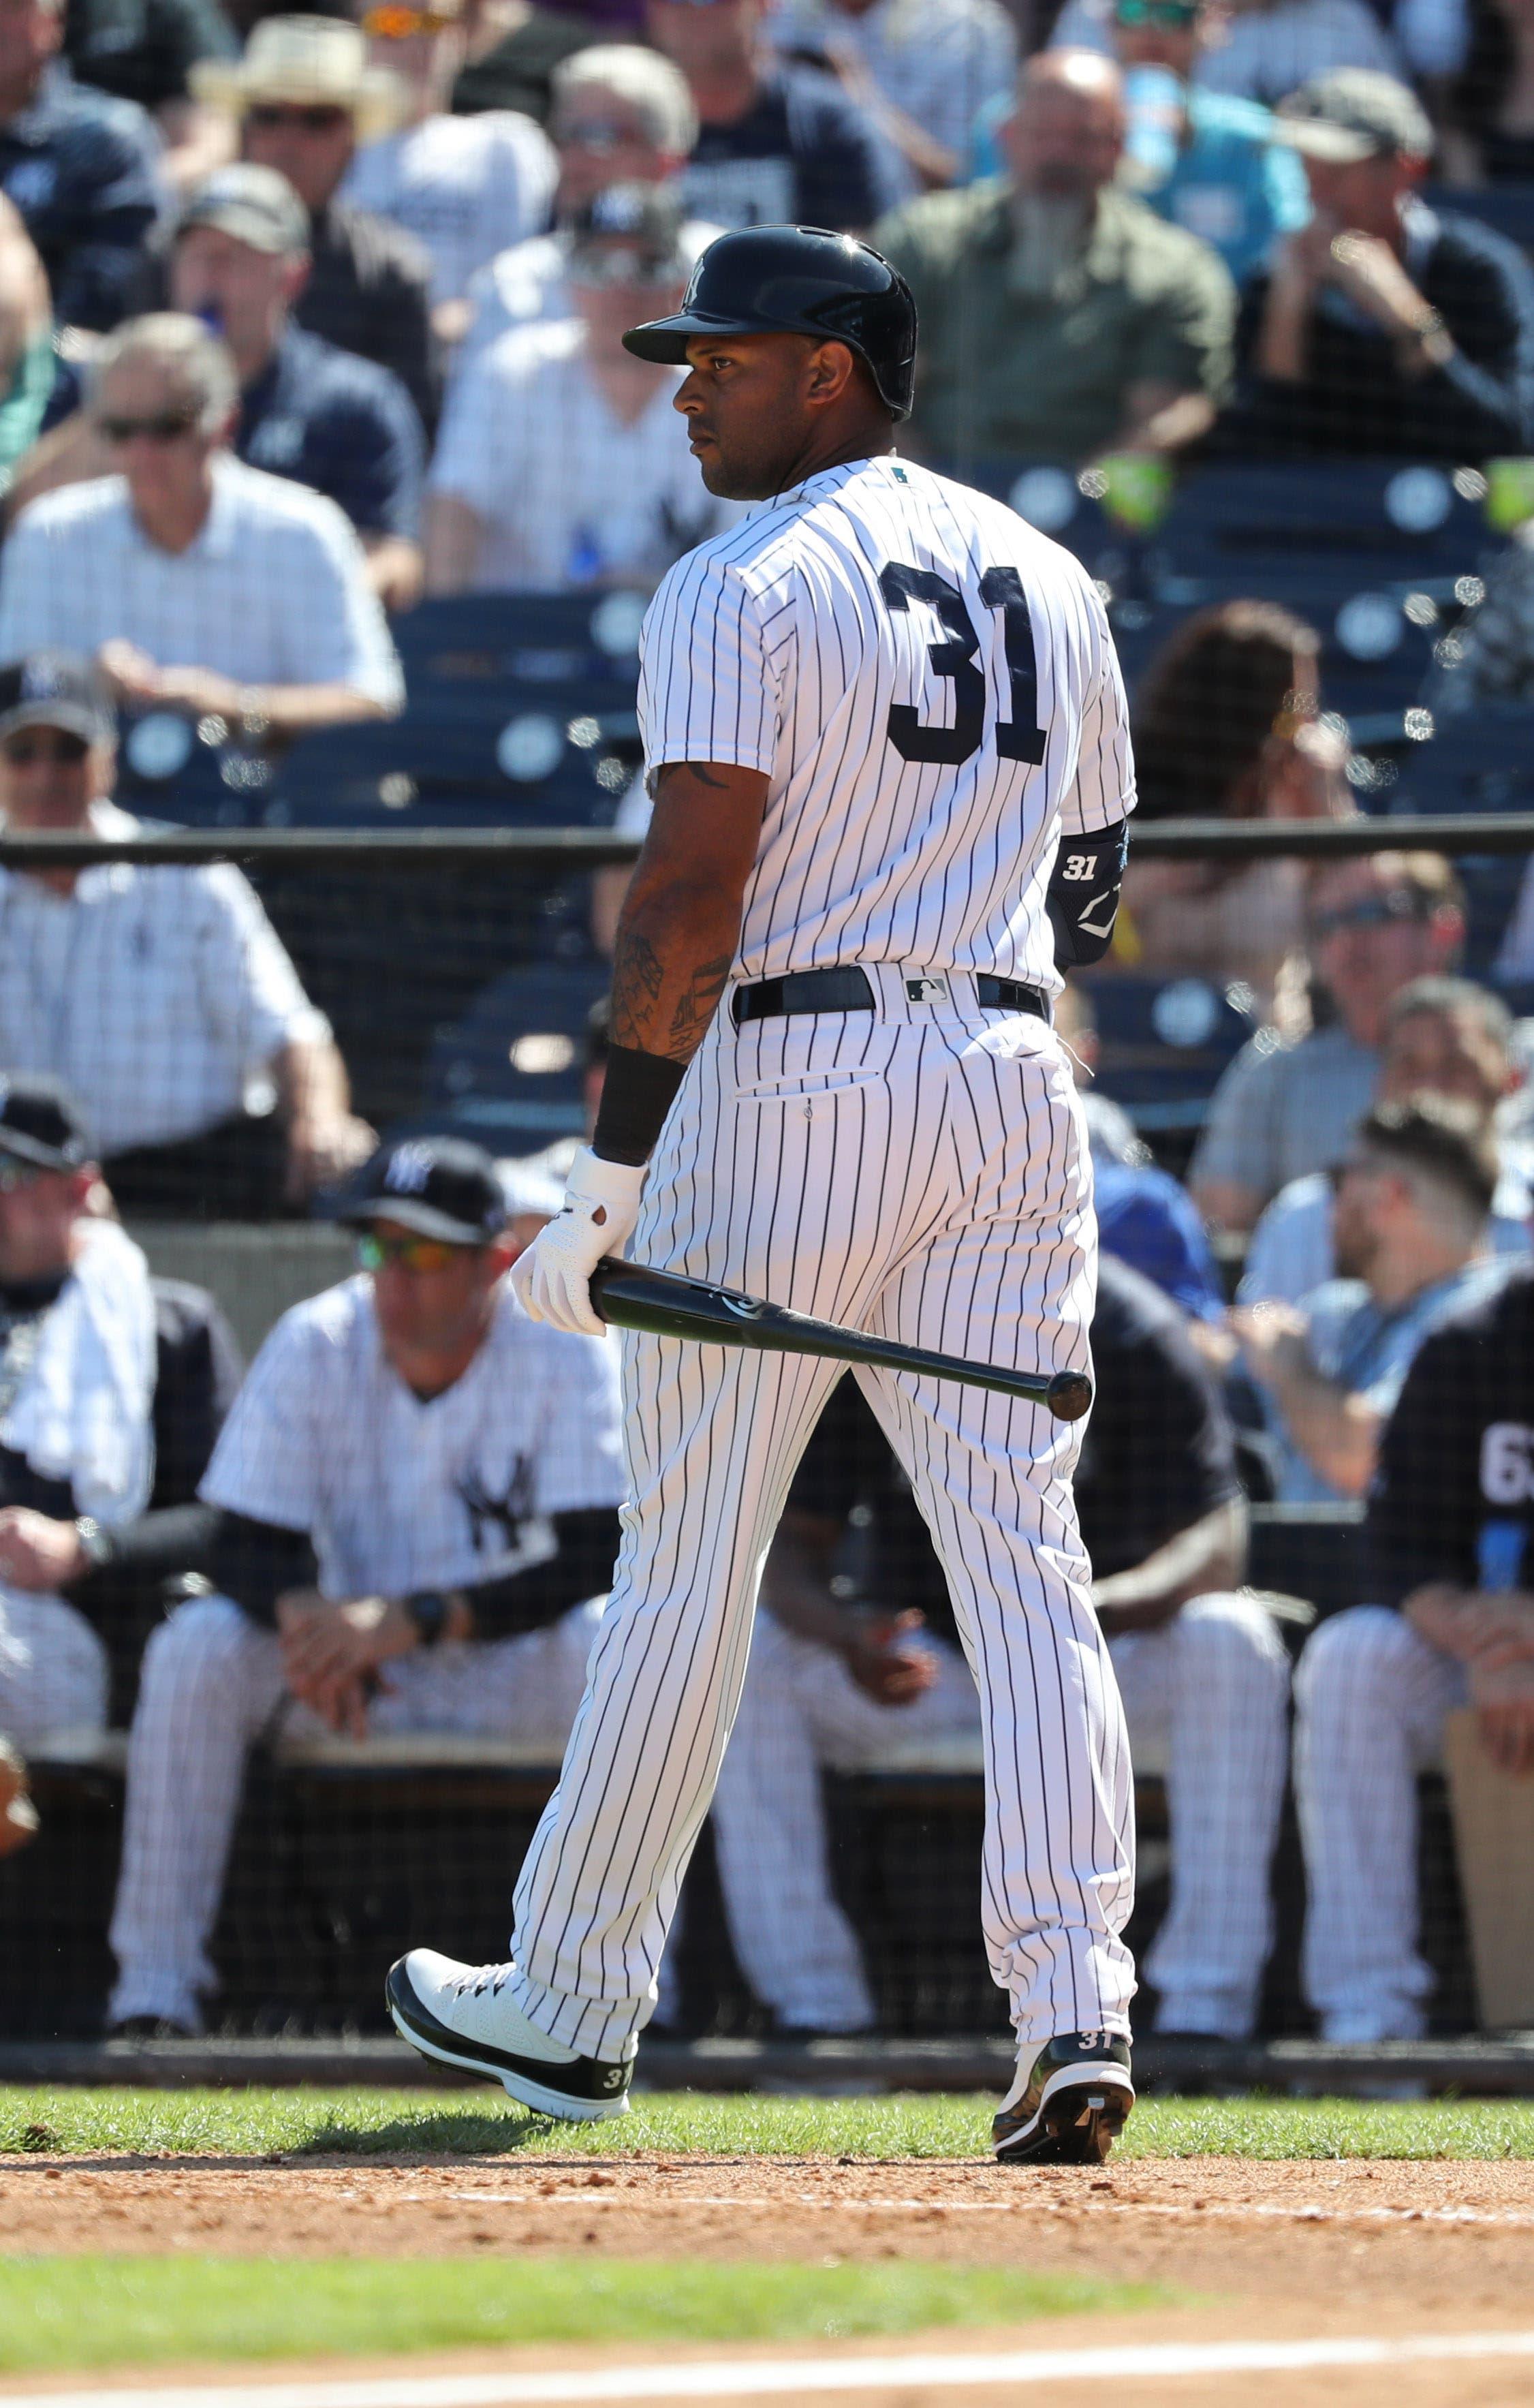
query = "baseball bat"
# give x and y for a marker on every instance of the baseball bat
(668, 1306)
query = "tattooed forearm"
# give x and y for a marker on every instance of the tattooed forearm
(695, 1008)
(680, 925)
(637, 980)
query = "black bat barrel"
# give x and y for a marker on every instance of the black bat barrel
(668, 1306)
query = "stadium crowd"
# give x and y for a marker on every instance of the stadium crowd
(310, 324)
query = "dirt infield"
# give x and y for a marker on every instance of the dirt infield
(1351, 2237)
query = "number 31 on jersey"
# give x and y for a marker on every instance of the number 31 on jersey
(1017, 739)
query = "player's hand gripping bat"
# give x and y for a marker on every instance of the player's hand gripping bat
(670, 1307)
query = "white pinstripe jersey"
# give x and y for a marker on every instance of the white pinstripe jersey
(931, 689)
(396, 1494)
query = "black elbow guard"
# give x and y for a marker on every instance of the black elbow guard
(1083, 898)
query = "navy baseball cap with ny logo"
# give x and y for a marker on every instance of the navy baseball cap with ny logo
(440, 1186)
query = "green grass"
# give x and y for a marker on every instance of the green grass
(58, 2313)
(390, 2123)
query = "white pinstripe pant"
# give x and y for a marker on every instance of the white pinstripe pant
(212, 1684)
(53, 1674)
(921, 1171)
(1205, 1699)
(1371, 1697)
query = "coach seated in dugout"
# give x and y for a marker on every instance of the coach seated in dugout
(1409, 1227)
(1202, 1671)
(204, 586)
(340, 426)
(112, 1391)
(1383, 328)
(1288, 1102)
(561, 462)
(412, 1520)
(1445, 1036)
(1060, 318)
(1451, 1547)
(163, 997)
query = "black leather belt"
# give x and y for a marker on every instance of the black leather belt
(852, 990)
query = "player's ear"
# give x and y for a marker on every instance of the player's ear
(831, 368)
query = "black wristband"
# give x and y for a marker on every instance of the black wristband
(636, 1095)
(428, 1610)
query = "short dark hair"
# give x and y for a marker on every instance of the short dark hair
(1439, 1140)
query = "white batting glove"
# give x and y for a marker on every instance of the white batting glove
(601, 1207)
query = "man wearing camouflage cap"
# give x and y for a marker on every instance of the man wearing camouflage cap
(1382, 327)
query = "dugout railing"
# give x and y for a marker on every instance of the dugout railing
(437, 955)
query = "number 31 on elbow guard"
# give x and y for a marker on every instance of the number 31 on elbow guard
(1017, 739)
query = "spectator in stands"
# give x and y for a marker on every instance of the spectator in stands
(1409, 1230)
(1451, 1549)
(82, 169)
(621, 115)
(924, 74)
(780, 144)
(1207, 161)
(1228, 725)
(1261, 51)
(559, 464)
(1202, 1671)
(467, 187)
(304, 97)
(147, 52)
(430, 1577)
(76, 1382)
(1443, 1037)
(1286, 1106)
(308, 410)
(1453, 1623)
(1143, 1216)
(204, 586)
(1488, 137)
(1382, 327)
(207, 1080)
(28, 364)
(1060, 318)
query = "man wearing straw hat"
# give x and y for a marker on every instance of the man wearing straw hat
(304, 98)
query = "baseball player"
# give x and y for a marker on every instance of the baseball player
(886, 732)
(414, 1508)
(1451, 1532)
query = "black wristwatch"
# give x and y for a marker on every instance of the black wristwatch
(429, 1609)
(95, 1545)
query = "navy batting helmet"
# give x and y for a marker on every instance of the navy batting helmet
(798, 280)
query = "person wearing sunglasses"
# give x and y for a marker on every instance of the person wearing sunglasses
(618, 114)
(163, 997)
(558, 464)
(413, 1524)
(184, 547)
(1288, 1106)
(466, 187)
(300, 99)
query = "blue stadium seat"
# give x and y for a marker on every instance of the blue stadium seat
(1163, 1043)
(1325, 528)
(509, 1073)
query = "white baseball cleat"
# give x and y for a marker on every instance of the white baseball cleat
(462, 2015)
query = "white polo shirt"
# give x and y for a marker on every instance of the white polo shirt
(159, 996)
(466, 187)
(569, 495)
(272, 591)
(940, 61)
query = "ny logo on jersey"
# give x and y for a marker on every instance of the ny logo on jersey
(1080, 868)
(409, 1168)
(505, 1515)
